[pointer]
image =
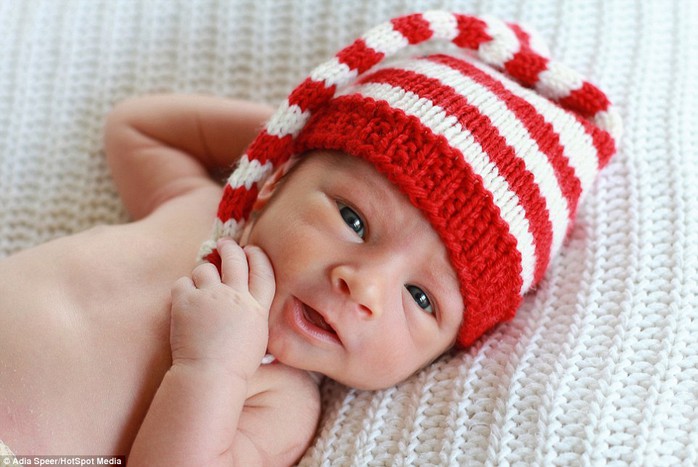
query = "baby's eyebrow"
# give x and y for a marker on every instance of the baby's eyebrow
(437, 272)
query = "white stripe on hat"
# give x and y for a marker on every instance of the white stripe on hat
(502, 47)
(229, 228)
(611, 122)
(289, 119)
(385, 39)
(437, 119)
(208, 246)
(558, 80)
(512, 130)
(249, 172)
(443, 24)
(333, 72)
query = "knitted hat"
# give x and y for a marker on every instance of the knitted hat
(496, 146)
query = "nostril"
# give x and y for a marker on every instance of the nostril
(342, 286)
(362, 294)
(365, 310)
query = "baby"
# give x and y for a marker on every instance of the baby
(387, 211)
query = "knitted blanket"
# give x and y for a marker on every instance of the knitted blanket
(601, 363)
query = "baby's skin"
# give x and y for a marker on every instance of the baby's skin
(115, 342)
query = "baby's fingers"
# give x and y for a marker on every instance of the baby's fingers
(181, 286)
(262, 282)
(205, 275)
(234, 269)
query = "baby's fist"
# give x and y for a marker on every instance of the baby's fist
(222, 319)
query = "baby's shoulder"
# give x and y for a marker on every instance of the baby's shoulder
(281, 411)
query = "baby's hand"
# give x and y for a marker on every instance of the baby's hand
(224, 320)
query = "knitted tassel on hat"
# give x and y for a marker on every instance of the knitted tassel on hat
(496, 145)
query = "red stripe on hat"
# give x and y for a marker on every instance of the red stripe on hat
(236, 203)
(587, 101)
(309, 95)
(359, 56)
(542, 132)
(472, 32)
(510, 166)
(603, 142)
(436, 179)
(215, 258)
(266, 147)
(525, 66)
(414, 27)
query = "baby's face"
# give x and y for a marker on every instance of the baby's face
(365, 293)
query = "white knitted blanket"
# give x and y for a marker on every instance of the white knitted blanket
(601, 363)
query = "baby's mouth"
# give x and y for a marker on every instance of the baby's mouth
(316, 318)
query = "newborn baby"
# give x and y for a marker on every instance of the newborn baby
(382, 215)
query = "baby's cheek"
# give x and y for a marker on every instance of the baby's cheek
(392, 361)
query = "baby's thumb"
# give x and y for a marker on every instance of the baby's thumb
(262, 284)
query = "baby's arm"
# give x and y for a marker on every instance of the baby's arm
(218, 337)
(163, 146)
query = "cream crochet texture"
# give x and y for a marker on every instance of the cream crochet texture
(600, 365)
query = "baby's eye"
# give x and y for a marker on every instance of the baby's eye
(352, 219)
(421, 298)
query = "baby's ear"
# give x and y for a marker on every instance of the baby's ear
(265, 194)
(268, 189)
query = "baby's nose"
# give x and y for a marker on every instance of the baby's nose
(364, 290)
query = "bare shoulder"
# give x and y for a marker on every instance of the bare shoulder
(281, 415)
(189, 215)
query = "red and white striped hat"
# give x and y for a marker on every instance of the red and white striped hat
(496, 146)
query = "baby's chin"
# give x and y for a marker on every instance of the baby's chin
(363, 382)
(363, 385)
